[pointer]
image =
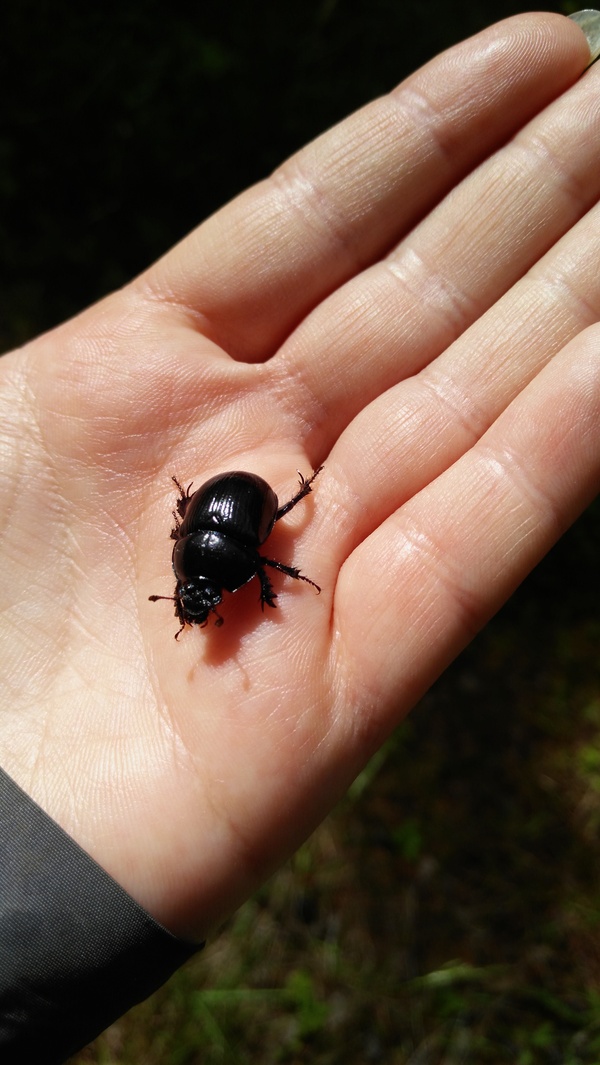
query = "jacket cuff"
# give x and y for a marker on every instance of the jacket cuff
(76, 950)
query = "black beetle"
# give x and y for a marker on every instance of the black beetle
(217, 539)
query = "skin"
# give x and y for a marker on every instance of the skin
(413, 300)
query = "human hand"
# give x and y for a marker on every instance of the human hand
(413, 301)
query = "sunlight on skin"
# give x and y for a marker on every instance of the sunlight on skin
(411, 301)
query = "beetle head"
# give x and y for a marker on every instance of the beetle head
(194, 602)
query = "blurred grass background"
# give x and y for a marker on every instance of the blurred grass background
(448, 910)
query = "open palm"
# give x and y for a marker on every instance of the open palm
(411, 301)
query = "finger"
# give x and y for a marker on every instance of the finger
(437, 569)
(414, 431)
(250, 273)
(393, 319)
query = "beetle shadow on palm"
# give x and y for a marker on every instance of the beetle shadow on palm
(243, 613)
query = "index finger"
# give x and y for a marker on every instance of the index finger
(251, 272)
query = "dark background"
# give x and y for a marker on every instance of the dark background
(449, 910)
(123, 126)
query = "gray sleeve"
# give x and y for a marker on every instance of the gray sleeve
(76, 951)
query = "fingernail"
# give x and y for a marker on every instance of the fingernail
(589, 22)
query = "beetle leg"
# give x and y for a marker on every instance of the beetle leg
(182, 503)
(267, 595)
(304, 490)
(290, 570)
(219, 620)
(179, 614)
(175, 529)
